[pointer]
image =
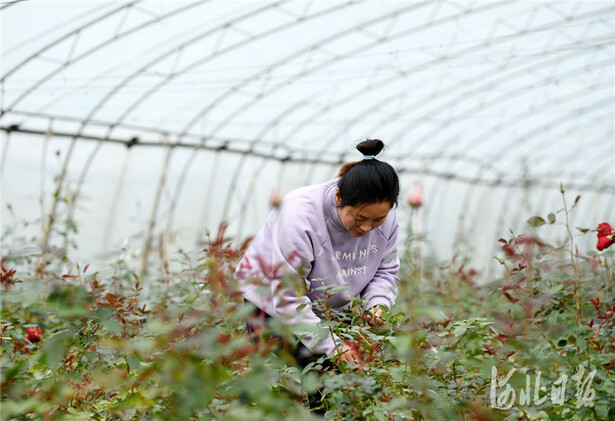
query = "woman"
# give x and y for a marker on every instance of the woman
(342, 232)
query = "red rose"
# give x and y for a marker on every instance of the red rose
(34, 334)
(606, 236)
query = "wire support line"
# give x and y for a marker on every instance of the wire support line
(156, 132)
(332, 162)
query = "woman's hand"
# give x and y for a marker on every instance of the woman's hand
(345, 353)
(376, 312)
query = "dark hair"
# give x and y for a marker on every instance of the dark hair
(369, 180)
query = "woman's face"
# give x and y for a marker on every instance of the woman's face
(361, 219)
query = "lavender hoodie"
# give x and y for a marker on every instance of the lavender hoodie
(307, 240)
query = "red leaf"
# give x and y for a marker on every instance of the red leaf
(509, 298)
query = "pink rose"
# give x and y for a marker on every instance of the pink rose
(415, 197)
(275, 200)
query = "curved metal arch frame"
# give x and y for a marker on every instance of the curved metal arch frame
(200, 62)
(66, 37)
(502, 123)
(530, 134)
(461, 231)
(117, 193)
(504, 96)
(9, 4)
(240, 164)
(396, 13)
(235, 113)
(358, 93)
(443, 106)
(259, 74)
(396, 96)
(139, 71)
(581, 150)
(140, 100)
(267, 158)
(401, 111)
(93, 50)
(336, 58)
(393, 14)
(486, 205)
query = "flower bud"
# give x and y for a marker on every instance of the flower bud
(415, 197)
(275, 200)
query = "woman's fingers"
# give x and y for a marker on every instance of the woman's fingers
(349, 357)
(376, 312)
(346, 354)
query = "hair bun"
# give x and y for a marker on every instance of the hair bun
(370, 147)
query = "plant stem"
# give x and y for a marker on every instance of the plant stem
(572, 259)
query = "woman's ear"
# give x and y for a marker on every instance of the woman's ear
(338, 199)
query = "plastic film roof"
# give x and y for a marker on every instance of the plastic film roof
(172, 116)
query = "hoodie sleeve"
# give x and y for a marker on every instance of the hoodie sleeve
(281, 257)
(382, 289)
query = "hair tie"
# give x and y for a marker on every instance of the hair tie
(368, 157)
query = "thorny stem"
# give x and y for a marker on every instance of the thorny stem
(609, 274)
(459, 340)
(545, 337)
(529, 311)
(562, 305)
(89, 330)
(192, 269)
(572, 259)
(455, 379)
(328, 317)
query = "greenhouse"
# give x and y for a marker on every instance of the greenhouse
(145, 143)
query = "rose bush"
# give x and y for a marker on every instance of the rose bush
(79, 345)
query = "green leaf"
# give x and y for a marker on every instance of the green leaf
(459, 330)
(583, 230)
(14, 370)
(202, 267)
(112, 325)
(310, 382)
(551, 218)
(134, 363)
(536, 221)
(159, 327)
(602, 409)
(403, 344)
(53, 351)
